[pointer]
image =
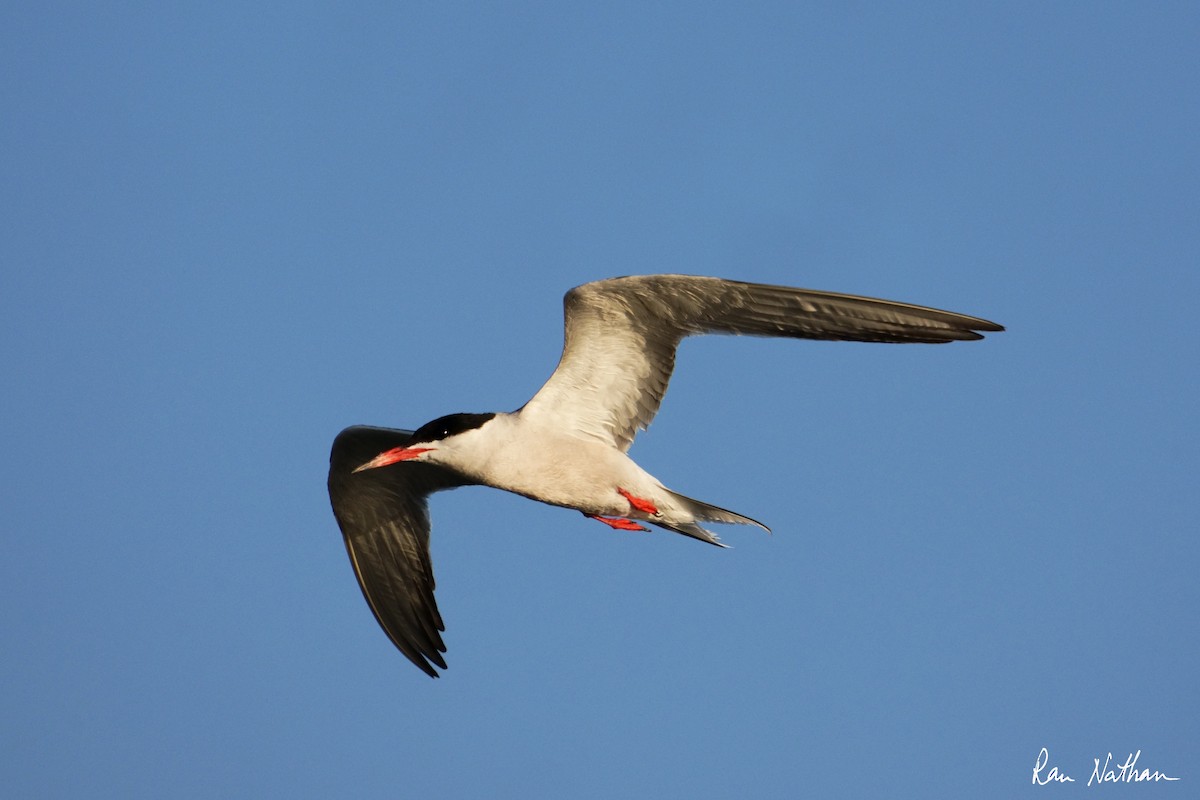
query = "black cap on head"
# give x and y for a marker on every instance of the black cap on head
(449, 425)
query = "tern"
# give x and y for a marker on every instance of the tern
(567, 446)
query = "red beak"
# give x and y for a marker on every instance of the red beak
(392, 456)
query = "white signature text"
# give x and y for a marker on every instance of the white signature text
(1123, 772)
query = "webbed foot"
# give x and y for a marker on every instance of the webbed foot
(639, 503)
(617, 523)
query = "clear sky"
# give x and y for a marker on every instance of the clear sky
(231, 229)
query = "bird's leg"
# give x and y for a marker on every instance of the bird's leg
(640, 503)
(616, 523)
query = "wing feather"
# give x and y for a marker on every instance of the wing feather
(384, 517)
(621, 334)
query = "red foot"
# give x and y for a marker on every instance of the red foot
(645, 506)
(618, 524)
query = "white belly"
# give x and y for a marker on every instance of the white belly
(574, 473)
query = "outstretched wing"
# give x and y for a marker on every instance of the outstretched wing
(621, 335)
(384, 517)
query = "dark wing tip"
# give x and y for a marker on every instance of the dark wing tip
(984, 325)
(425, 659)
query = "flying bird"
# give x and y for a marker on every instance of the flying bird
(567, 446)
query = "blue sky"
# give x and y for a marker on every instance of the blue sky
(231, 230)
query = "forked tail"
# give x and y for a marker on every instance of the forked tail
(707, 513)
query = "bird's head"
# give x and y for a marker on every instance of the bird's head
(427, 440)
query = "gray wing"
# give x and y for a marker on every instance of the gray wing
(621, 335)
(384, 517)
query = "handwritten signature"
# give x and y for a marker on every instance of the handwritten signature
(1125, 772)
